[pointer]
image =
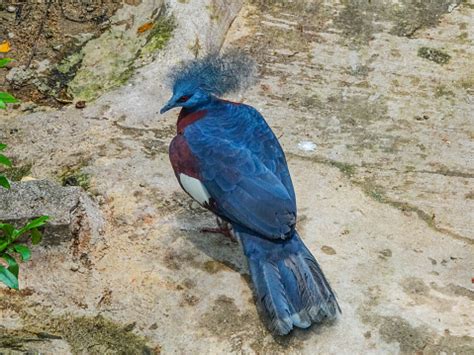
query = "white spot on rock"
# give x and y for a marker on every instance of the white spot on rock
(307, 146)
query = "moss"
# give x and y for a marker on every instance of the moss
(88, 85)
(347, 169)
(75, 177)
(467, 83)
(85, 335)
(213, 12)
(376, 192)
(442, 90)
(224, 319)
(88, 91)
(412, 15)
(159, 35)
(422, 339)
(118, 51)
(434, 55)
(16, 173)
(357, 22)
(63, 73)
(411, 340)
(99, 335)
(376, 195)
(69, 63)
(360, 20)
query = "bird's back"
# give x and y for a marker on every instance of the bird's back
(243, 129)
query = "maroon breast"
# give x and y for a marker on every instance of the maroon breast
(182, 159)
(185, 119)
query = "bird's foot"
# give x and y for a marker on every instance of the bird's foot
(224, 228)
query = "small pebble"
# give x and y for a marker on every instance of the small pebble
(80, 104)
(11, 8)
(195, 205)
(326, 249)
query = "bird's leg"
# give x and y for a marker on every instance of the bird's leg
(224, 228)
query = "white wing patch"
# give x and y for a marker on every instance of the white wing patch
(195, 188)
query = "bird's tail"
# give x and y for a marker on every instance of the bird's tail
(289, 284)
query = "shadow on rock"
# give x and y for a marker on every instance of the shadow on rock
(214, 245)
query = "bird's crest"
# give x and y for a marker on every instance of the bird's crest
(215, 73)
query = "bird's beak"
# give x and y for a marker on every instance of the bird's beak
(167, 107)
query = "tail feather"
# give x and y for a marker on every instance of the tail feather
(275, 301)
(289, 283)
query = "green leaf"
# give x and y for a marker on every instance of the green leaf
(4, 245)
(5, 61)
(36, 236)
(5, 161)
(8, 278)
(37, 222)
(23, 250)
(4, 182)
(7, 228)
(7, 98)
(12, 264)
(2, 105)
(2, 146)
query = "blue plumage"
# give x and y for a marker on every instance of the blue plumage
(227, 158)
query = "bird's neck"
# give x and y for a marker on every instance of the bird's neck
(205, 105)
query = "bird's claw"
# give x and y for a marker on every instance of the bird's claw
(224, 228)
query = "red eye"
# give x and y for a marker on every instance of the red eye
(183, 99)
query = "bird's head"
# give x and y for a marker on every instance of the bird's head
(187, 97)
(196, 82)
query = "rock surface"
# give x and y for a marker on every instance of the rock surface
(72, 213)
(383, 94)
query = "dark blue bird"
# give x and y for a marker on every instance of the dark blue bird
(227, 158)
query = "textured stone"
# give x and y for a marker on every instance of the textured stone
(72, 213)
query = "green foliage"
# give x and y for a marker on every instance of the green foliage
(9, 246)
(4, 62)
(6, 162)
(5, 97)
(9, 238)
(433, 54)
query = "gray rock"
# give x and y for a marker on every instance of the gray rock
(72, 212)
(19, 76)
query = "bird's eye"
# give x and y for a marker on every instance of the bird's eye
(183, 99)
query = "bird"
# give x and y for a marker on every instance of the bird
(227, 158)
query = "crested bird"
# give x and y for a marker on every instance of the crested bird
(227, 158)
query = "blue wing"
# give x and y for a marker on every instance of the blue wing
(244, 170)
